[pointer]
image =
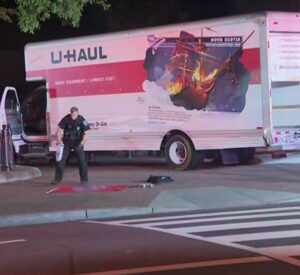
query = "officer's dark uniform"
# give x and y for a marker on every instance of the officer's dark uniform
(73, 134)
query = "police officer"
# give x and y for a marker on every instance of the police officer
(72, 133)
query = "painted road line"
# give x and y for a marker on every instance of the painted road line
(275, 242)
(184, 266)
(212, 214)
(264, 233)
(251, 230)
(281, 253)
(200, 220)
(12, 241)
(230, 221)
(206, 228)
(286, 257)
(197, 229)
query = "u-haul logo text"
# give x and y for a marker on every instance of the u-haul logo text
(75, 55)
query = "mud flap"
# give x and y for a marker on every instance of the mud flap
(229, 156)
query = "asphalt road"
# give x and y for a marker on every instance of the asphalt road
(240, 241)
(260, 240)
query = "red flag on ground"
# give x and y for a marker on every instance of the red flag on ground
(63, 188)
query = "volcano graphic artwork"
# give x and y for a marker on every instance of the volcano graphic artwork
(199, 73)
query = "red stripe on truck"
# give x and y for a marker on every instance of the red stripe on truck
(115, 78)
(122, 77)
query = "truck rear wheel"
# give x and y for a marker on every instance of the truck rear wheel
(180, 153)
(246, 155)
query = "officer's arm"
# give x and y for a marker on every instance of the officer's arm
(84, 138)
(59, 135)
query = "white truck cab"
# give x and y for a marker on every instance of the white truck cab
(10, 113)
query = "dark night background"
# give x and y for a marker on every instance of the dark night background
(123, 15)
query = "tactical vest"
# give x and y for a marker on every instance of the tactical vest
(73, 131)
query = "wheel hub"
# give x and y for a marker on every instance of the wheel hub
(178, 152)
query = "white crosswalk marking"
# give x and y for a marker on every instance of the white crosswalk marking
(272, 232)
(265, 210)
(12, 241)
(182, 222)
(219, 227)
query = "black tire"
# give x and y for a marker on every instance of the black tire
(180, 153)
(246, 155)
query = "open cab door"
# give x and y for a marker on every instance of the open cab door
(10, 113)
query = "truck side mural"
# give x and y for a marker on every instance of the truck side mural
(202, 73)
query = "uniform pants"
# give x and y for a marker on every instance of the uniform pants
(60, 165)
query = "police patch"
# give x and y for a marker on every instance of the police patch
(85, 123)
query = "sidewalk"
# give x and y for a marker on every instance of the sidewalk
(266, 182)
(19, 173)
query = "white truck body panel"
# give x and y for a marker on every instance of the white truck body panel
(284, 77)
(134, 87)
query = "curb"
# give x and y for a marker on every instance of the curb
(20, 172)
(82, 215)
(106, 213)
(40, 218)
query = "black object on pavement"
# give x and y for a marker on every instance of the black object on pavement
(159, 179)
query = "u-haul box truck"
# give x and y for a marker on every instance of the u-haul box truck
(217, 86)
